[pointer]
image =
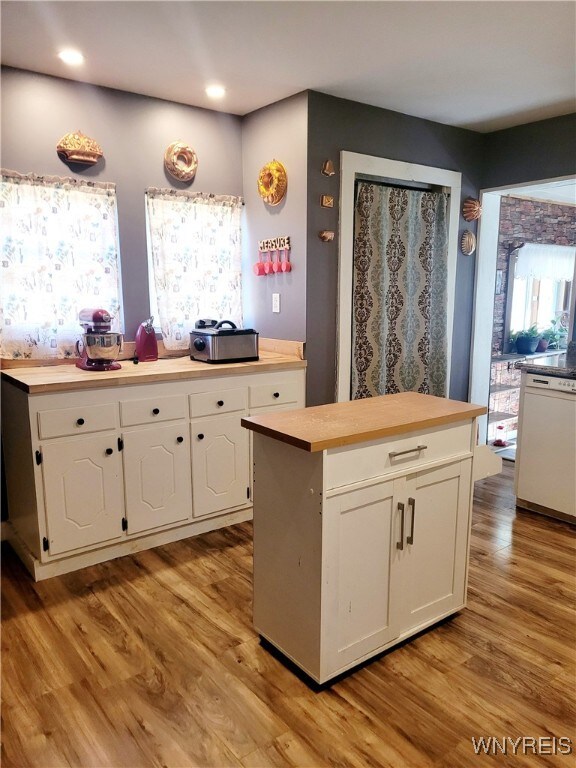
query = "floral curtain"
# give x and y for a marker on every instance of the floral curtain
(399, 291)
(194, 251)
(60, 253)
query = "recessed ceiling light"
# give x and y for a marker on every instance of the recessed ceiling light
(215, 91)
(71, 57)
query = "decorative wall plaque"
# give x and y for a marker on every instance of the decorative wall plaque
(468, 243)
(326, 236)
(327, 201)
(471, 209)
(180, 161)
(328, 168)
(272, 183)
(78, 148)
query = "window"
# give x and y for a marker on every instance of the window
(543, 278)
(194, 260)
(59, 253)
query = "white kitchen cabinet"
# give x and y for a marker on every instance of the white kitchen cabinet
(431, 566)
(359, 526)
(83, 497)
(220, 469)
(156, 463)
(359, 545)
(102, 465)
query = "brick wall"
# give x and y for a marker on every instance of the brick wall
(529, 221)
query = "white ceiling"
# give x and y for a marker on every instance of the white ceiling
(474, 64)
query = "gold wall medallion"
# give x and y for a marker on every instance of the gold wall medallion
(272, 183)
(327, 201)
(471, 209)
(78, 148)
(468, 243)
(328, 168)
(180, 161)
(326, 236)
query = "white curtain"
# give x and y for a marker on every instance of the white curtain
(60, 253)
(555, 262)
(194, 251)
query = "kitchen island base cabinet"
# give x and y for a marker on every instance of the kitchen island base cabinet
(361, 524)
(341, 575)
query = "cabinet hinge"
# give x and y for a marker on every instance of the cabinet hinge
(124, 524)
(38, 457)
(120, 444)
(45, 544)
(248, 492)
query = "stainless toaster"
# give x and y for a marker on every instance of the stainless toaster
(223, 342)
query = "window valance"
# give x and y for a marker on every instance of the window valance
(539, 261)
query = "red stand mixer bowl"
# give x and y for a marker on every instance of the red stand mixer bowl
(100, 346)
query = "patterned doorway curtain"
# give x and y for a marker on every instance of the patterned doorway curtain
(399, 323)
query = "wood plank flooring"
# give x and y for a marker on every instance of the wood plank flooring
(151, 660)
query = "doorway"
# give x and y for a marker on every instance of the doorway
(494, 380)
(353, 167)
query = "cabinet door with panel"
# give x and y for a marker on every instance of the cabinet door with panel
(430, 565)
(83, 492)
(157, 476)
(362, 612)
(220, 469)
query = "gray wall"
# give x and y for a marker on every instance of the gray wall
(277, 132)
(532, 152)
(134, 132)
(338, 124)
(301, 132)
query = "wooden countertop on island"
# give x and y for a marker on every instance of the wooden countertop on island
(69, 378)
(338, 424)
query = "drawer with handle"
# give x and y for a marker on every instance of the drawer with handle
(351, 464)
(218, 401)
(275, 393)
(77, 421)
(153, 409)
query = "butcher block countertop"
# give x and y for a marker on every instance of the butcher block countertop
(358, 421)
(69, 378)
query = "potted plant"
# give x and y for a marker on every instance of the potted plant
(550, 335)
(527, 340)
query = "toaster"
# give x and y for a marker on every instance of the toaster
(223, 343)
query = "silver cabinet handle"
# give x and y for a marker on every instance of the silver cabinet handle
(400, 544)
(395, 454)
(411, 503)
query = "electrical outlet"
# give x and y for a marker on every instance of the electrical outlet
(275, 302)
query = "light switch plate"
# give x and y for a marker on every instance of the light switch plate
(275, 302)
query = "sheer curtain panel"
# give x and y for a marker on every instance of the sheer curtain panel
(60, 253)
(194, 256)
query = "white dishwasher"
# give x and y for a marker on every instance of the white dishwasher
(545, 478)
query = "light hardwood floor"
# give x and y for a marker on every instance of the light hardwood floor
(151, 660)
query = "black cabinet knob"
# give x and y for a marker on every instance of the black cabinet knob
(155, 411)
(180, 439)
(79, 422)
(276, 394)
(200, 436)
(220, 403)
(109, 451)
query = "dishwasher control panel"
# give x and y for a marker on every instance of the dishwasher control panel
(551, 382)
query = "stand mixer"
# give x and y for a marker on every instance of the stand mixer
(100, 346)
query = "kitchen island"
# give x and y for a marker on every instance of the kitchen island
(101, 464)
(361, 524)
